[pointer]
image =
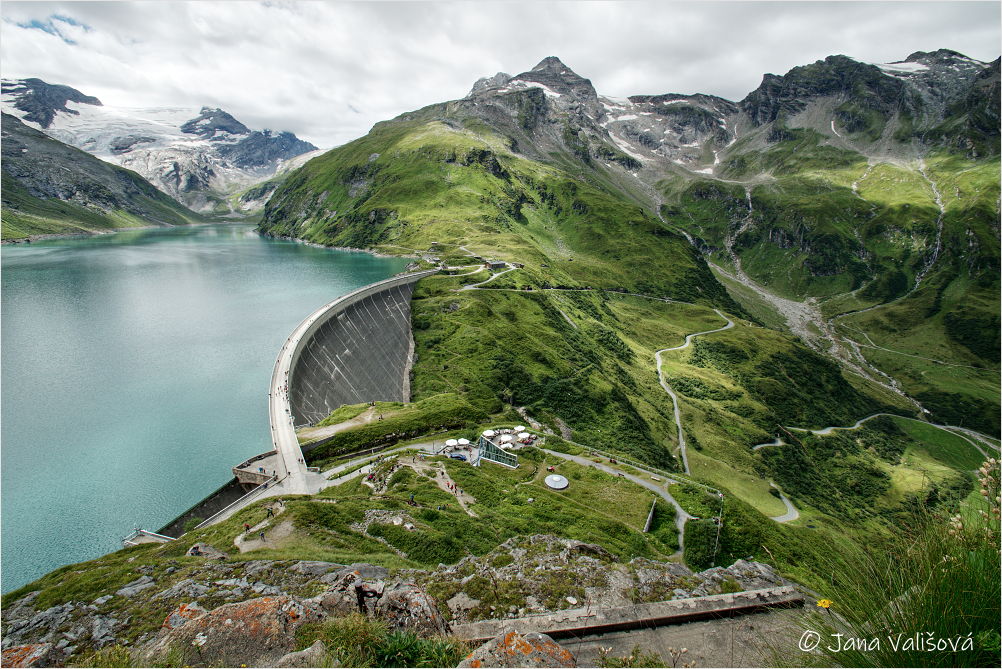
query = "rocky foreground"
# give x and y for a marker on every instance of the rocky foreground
(210, 611)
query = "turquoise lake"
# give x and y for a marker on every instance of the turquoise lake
(135, 370)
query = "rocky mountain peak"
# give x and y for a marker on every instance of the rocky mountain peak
(939, 56)
(41, 100)
(552, 73)
(488, 83)
(551, 64)
(212, 120)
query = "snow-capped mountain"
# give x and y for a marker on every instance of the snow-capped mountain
(198, 156)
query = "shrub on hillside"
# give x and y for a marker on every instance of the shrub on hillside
(937, 583)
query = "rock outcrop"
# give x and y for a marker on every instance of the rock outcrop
(406, 606)
(257, 632)
(31, 655)
(314, 656)
(520, 650)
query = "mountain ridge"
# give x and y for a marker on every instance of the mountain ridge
(202, 157)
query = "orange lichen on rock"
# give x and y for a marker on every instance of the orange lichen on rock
(511, 649)
(256, 632)
(182, 614)
(31, 655)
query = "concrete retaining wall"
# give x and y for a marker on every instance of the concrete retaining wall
(358, 350)
(585, 621)
(230, 492)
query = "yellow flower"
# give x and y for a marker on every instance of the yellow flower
(824, 603)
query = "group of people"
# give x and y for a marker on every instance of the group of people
(380, 481)
(453, 488)
(280, 503)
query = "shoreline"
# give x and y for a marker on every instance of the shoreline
(350, 249)
(30, 239)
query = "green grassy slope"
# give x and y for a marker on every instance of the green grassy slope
(410, 183)
(857, 237)
(559, 336)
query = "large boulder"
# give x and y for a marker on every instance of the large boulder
(188, 588)
(257, 632)
(314, 656)
(31, 655)
(181, 615)
(512, 649)
(206, 551)
(135, 587)
(406, 606)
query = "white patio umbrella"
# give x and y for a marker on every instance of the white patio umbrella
(524, 435)
(464, 442)
(451, 442)
(520, 428)
(488, 433)
(507, 439)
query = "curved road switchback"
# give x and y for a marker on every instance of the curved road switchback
(791, 511)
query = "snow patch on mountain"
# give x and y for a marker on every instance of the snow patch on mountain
(896, 68)
(196, 155)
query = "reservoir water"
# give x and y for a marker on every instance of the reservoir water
(135, 370)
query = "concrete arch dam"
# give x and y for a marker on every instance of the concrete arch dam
(355, 349)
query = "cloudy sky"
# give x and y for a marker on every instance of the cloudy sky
(329, 70)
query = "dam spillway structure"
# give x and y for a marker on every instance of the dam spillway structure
(356, 349)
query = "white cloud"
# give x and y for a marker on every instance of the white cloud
(327, 71)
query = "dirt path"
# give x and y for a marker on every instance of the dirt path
(474, 286)
(445, 482)
(970, 436)
(311, 434)
(250, 540)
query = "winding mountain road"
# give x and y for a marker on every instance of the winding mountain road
(671, 393)
(972, 437)
(791, 511)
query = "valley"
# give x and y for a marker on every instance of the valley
(761, 332)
